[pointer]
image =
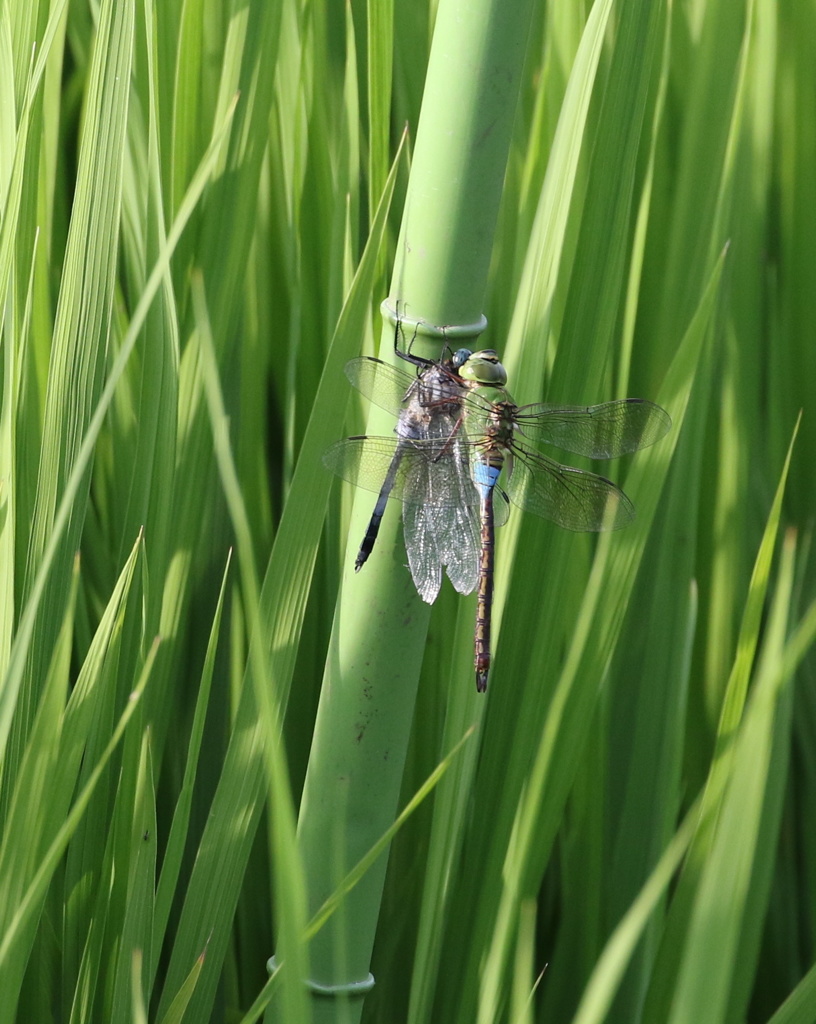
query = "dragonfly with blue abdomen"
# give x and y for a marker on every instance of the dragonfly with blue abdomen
(575, 499)
(424, 465)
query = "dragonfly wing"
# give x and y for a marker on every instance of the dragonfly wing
(363, 461)
(381, 383)
(572, 498)
(597, 431)
(461, 559)
(443, 532)
(423, 553)
(435, 541)
(422, 467)
(501, 507)
(440, 504)
(437, 387)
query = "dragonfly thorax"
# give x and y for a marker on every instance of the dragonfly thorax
(437, 392)
(500, 424)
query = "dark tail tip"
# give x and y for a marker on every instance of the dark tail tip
(481, 681)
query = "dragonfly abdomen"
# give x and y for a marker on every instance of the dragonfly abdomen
(485, 475)
(373, 529)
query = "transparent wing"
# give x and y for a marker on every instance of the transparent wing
(443, 537)
(501, 507)
(572, 498)
(597, 431)
(433, 472)
(381, 383)
(446, 528)
(427, 472)
(422, 549)
(437, 387)
(440, 502)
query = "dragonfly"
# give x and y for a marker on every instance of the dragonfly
(462, 451)
(498, 447)
(424, 465)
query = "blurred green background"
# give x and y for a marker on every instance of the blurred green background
(187, 190)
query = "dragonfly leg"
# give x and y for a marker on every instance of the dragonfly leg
(453, 433)
(406, 353)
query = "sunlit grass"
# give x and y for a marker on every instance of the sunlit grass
(194, 239)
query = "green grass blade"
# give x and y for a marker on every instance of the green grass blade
(81, 327)
(26, 631)
(147, 146)
(290, 893)
(29, 822)
(800, 1006)
(598, 995)
(725, 890)
(662, 984)
(177, 1009)
(137, 928)
(28, 904)
(179, 830)
(219, 869)
(566, 727)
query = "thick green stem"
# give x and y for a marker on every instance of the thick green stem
(369, 688)
(457, 173)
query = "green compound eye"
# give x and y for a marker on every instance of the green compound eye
(483, 368)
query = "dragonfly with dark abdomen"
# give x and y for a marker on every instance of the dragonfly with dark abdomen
(424, 466)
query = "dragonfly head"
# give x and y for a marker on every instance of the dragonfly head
(483, 367)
